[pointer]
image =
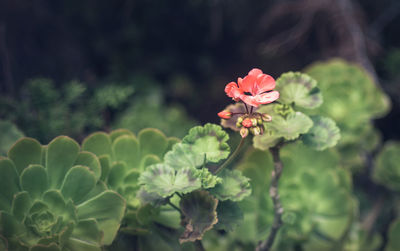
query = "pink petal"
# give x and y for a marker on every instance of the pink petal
(255, 72)
(250, 100)
(247, 83)
(232, 90)
(266, 98)
(264, 83)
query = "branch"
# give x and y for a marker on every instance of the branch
(273, 192)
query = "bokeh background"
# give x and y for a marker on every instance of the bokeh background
(178, 54)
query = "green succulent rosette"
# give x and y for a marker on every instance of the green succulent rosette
(315, 194)
(52, 198)
(387, 168)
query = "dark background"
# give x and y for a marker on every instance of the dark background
(194, 47)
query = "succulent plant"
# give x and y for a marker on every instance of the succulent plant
(52, 198)
(9, 133)
(315, 194)
(387, 168)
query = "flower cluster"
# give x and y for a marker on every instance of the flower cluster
(253, 90)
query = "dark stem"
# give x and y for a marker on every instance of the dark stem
(229, 160)
(251, 109)
(175, 207)
(199, 245)
(273, 192)
(247, 109)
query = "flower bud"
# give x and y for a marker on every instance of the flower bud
(253, 121)
(266, 117)
(238, 125)
(255, 130)
(240, 120)
(225, 114)
(259, 121)
(244, 132)
(247, 123)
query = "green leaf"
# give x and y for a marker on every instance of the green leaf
(54, 200)
(387, 169)
(9, 183)
(209, 140)
(323, 134)
(34, 180)
(21, 205)
(165, 180)
(117, 175)
(105, 163)
(182, 156)
(152, 141)
(149, 160)
(151, 198)
(42, 247)
(265, 141)
(78, 182)
(98, 143)
(108, 208)
(234, 186)
(208, 180)
(25, 151)
(120, 132)
(85, 236)
(126, 148)
(60, 156)
(292, 126)
(89, 160)
(229, 215)
(9, 133)
(199, 210)
(298, 88)
(394, 233)
(171, 142)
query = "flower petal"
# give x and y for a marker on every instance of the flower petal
(250, 100)
(264, 83)
(232, 90)
(247, 84)
(255, 72)
(266, 98)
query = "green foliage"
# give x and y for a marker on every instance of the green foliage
(44, 111)
(151, 111)
(199, 211)
(394, 233)
(315, 195)
(299, 89)
(52, 198)
(323, 134)
(387, 168)
(234, 186)
(9, 133)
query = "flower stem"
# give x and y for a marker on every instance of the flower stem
(229, 160)
(273, 192)
(175, 207)
(247, 109)
(199, 245)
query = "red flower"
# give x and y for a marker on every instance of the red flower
(247, 123)
(257, 84)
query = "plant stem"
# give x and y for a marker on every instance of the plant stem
(175, 207)
(273, 192)
(199, 245)
(233, 155)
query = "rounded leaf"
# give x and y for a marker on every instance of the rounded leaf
(182, 156)
(387, 168)
(34, 180)
(9, 183)
(89, 160)
(234, 186)
(98, 143)
(25, 152)
(323, 134)
(208, 140)
(126, 148)
(78, 182)
(60, 156)
(299, 89)
(292, 126)
(152, 141)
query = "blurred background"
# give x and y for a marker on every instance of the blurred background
(72, 67)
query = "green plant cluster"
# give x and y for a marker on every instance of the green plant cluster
(9, 133)
(353, 100)
(52, 198)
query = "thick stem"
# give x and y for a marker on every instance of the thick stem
(273, 192)
(175, 207)
(229, 160)
(199, 245)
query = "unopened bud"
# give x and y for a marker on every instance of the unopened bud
(255, 130)
(238, 124)
(253, 121)
(247, 123)
(240, 120)
(259, 121)
(266, 117)
(225, 114)
(244, 132)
